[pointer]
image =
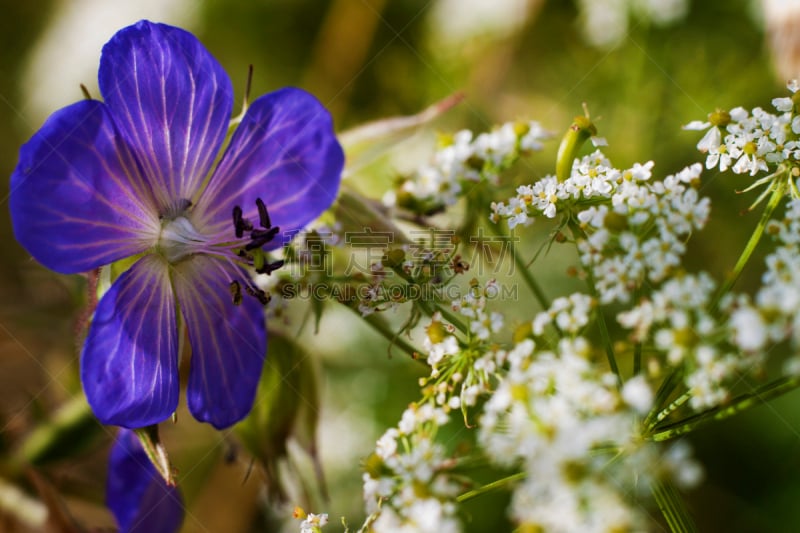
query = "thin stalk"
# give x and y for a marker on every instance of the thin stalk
(489, 487)
(666, 388)
(741, 403)
(383, 329)
(668, 410)
(673, 508)
(606, 339)
(605, 336)
(522, 266)
(380, 326)
(774, 200)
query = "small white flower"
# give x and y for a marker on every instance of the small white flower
(749, 329)
(638, 394)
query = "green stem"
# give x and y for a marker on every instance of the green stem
(673, 507)
(668, 410)
(772, 204)
(741, 403)
(489, 487)
(522, 266)
(666, 388)
(637, 358)
(378, 323)
(605, 336)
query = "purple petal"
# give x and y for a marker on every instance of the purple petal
(77, 198)
(129, 366)
(171, 100)
(136, 493)
(229, 342)
(284, 152)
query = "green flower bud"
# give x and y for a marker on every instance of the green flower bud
(580, 131)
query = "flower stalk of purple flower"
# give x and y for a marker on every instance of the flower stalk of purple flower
(131, 177)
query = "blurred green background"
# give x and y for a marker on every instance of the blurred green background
(368, 59)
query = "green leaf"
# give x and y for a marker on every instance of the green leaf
(365, 143)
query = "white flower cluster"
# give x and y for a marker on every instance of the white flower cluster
(563, 422)
(754, 140)
(592, 176)
(640, 236)
(569, 314)
(468, 158)
(407, 486)
(462, 371)
(473, 306)
(313, 523)
(677, 321)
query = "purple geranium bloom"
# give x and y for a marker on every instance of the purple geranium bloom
(136, 493)
(131, 177)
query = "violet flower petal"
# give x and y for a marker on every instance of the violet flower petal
(229, 342)
(77, 199)
(172, 102)
(129, 365)
(285, 152)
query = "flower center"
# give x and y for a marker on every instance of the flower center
(179, 239)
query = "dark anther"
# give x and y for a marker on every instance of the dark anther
(269, 268)
(263, 215)
(236, 292)
(262, 296)
(237, 221)
(260, 237)
(240, 224)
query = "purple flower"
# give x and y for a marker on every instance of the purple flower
(131, 177)
(137, 495)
